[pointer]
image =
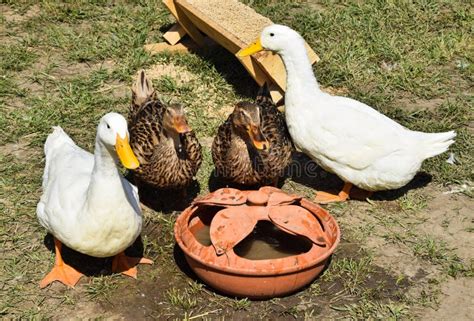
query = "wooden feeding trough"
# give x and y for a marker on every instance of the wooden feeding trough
(232, 25)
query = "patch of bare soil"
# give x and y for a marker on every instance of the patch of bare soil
(21, 150)
(418, 104)
(180, 74)
(87, 310)
(451, 218)
(12, 16)
(336, 91)
(447, 219)
(205, 95)
(457, 302)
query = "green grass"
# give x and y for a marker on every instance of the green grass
(182, 299)
(353, 272)
(438, 252)
(68, 63)
(16, 57)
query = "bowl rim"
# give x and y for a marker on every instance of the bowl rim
(182, 222)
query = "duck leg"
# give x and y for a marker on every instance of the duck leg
(61, 272)
(128, 265)
(324, 198)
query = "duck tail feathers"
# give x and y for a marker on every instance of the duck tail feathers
(437, 143)
(142, 92)
(57, 138)
(54, 142)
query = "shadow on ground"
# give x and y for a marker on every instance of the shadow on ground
(166, 201)
(306, 172)
(231, 70)
(216, 182)
(88, 265)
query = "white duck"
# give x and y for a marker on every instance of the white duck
(86, 203)
(349, 138)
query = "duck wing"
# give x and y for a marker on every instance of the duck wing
(145, 119)
(275, 130)
(67, 173)
(273, 121)
(146, 129)
(351, 133)
(221, 146)
(62, 154)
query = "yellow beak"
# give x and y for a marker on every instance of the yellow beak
(125, 153)
(250, 50)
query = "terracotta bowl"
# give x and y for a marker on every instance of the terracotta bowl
(230, 215)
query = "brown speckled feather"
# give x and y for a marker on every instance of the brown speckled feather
(161, 164)
(241, 163)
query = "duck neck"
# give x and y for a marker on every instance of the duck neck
(300, 79)
(238, 141)
(174, 140)
(105, 177)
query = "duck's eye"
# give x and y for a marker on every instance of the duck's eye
(108, 126)
(271, 34)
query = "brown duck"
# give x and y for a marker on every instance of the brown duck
(166, 147)
(253, 145)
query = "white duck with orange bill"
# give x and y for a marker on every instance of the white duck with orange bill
(86, 203)
(344, 136)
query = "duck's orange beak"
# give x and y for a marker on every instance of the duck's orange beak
(257, 138)
(181, 125)
(125, 153)
(250, 50)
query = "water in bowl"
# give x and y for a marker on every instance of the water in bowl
(265, 242)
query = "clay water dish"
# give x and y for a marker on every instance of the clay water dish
(256, 244)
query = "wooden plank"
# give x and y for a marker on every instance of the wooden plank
(174, 34)
(223, 38)
(276, 92)
(268, 62)
(263, 67)
(209, 27)
(183, 20)
(313, 57)
(254, 70)
(184, 46)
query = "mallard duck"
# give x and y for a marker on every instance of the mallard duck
(167, 148)
(344, 136)
(86, 204)
(253, 145)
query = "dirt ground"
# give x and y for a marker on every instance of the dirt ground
(404, 254)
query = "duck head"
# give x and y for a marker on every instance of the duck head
(246, 121)
(175, 124)
(174, 120)
(112, 131)
(277, 38)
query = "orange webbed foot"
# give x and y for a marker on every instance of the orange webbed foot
(65, 274)
(325, 198)
(128, 265)
(61, 271)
